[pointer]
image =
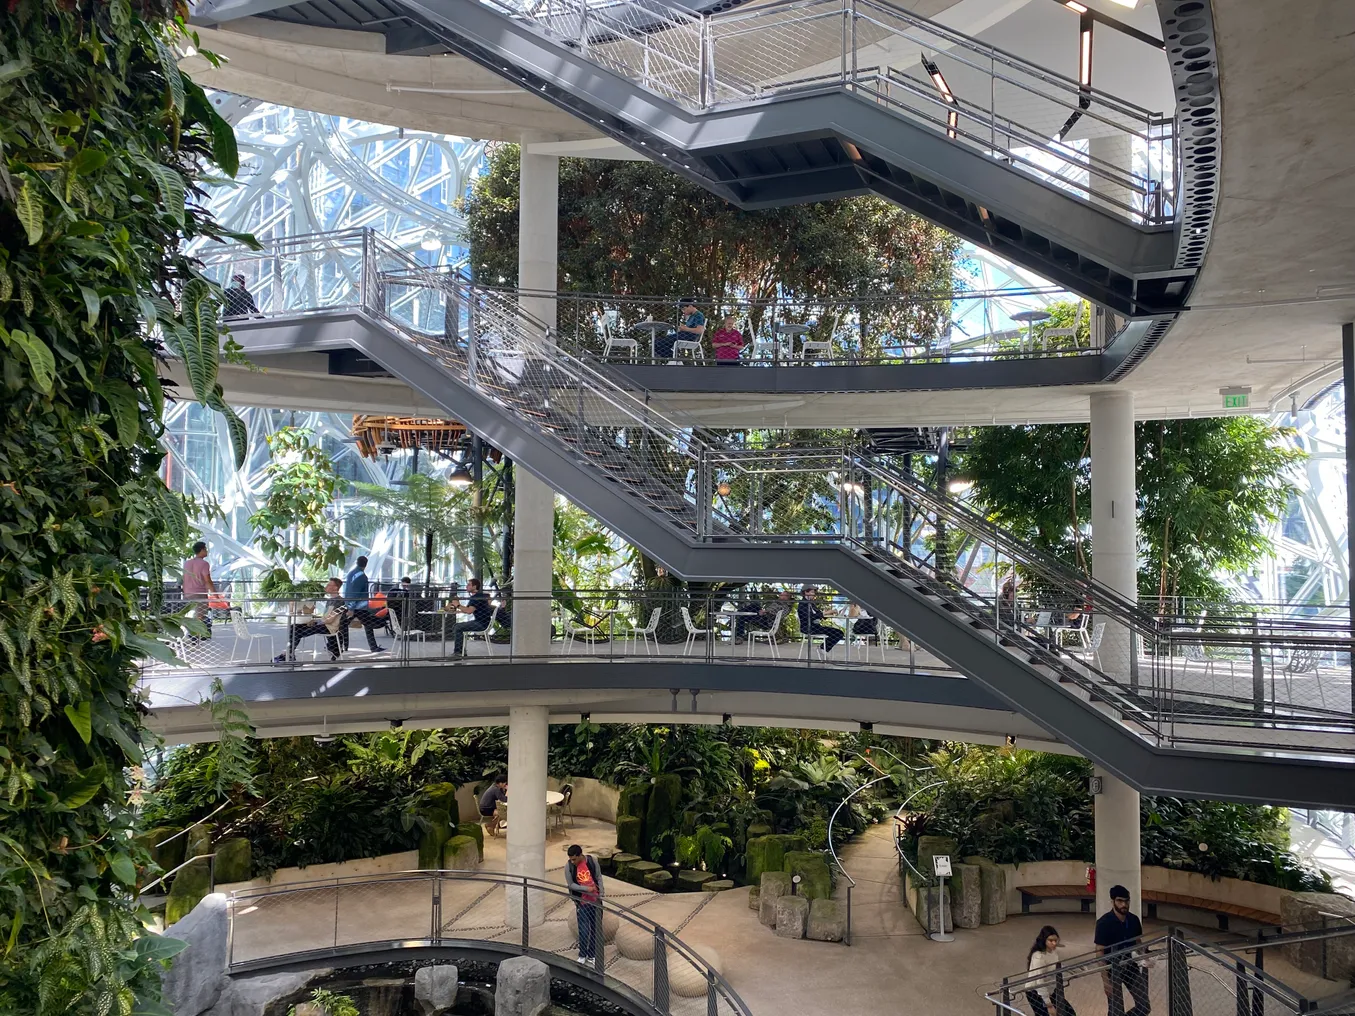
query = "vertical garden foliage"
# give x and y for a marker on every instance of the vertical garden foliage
(101, 144)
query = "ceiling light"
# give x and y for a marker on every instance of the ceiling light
(848, 487)
(947, 96)
(460, 477)
(430, 241)
(959, 485)
(1131, 4)
(1084, 63)
(1073, 5)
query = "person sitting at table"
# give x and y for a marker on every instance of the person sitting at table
(481, 611)
(763, 614)
(728, 342)
(810, 616)
(863, 623)
(332, 623)
(691, 329)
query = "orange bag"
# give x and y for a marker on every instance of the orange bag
(377, 604)
(217, 601)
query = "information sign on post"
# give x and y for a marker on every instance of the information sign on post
(941, 868)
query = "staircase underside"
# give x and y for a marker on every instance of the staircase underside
(911, 608)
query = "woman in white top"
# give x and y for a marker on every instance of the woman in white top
(1045, 994)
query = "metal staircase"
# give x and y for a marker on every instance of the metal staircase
(804, 100)
(844, 518)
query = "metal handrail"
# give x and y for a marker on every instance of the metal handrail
(244, 901)
(177, 868)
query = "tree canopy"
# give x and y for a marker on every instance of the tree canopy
(1208, 489)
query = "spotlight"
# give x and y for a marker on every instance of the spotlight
(947, 96)
(460, 477)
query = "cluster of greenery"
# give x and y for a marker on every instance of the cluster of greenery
(1208, 489)
(637, 228)
(102, 146)
(1017, 806)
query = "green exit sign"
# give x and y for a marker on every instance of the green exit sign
(1238, 401)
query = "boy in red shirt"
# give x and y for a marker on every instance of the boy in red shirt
(584, 878)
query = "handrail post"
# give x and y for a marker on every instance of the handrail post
(661, 1000)
(435, 932)
(846, 31)
(847, 938)
(852, 17)
(712, 999)
(364, 282)
(526, 916)
(705, 69)
(472, 364)
(1006, 994)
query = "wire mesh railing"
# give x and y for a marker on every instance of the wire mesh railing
(343, 917)
(1159, 679)
(1009, 109)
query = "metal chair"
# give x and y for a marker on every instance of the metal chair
(401, 632)
(611, 341)
(243, 636)
(824, 349)
(692, 632)
(763, 348)
(863, 639)
(558, 811)
(649, 631)
(578, 630)
(688, 346)
(1304, 661)
(1092, 646)
(484, 636)
(1194, 653)
(1065, 333)
(753, 634)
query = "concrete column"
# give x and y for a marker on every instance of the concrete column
(1118, 852)
(528, 744)
(1115, 564)
(1114, 525)
(1114, 150)
(534, 512)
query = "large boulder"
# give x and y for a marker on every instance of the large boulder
(435, 988)
(1304, 912)
(929, 909)
(630, 835)
(816, 880)
(234, 860)
(522, 987)
(254, 996)
(792, 915)
(606, 858)
(190, 886)
(434, 838)
(775, 884)
(693, 881)
(966, 891)
(197, 975)
(757, 829)
(662, 815)
(169, 856)
(687, 979)
(442, 796)
(461, 853)
(476, 832)
(661, 881)
(992, 892)
(635, 872)
(768, 853)
(827, 921)
(929, 846)
(754, 897)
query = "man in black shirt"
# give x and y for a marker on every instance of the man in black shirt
(489, 803)
(481, 611)
(1117, 933)
(239, 302)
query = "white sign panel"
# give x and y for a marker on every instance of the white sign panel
(941, 865)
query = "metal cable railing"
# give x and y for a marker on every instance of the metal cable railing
(979, 96)
(1161, 681)
(345, 917)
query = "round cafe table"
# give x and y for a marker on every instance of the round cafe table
(653, 329)
(1030, 318)
(554, 797)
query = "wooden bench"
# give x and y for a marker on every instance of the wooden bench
(1031, 894)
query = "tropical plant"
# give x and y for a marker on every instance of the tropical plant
(234, 750)
(102, 145)
(332, 1003)
(292, 522)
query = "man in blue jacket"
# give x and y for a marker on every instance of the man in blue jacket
(355, 591)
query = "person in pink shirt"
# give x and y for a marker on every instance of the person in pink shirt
(728, 342)
(197, 582)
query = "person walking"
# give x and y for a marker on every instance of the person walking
(1117, 933)
(356, 590)
(198, 585)
(489, 804)
(584, 878)
(1045, 995)
(239, 301)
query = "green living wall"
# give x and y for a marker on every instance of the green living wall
(101, 144)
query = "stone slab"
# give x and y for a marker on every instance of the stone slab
(775, 884)
(435, 988)
(966, 892)
(792, 915)
(522, 987)
(827, 921)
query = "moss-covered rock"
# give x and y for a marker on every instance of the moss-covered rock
(198, 841)
(620, 859)
(759, 829)
(170, 855)
(435, 837)
(929, 846)
(662, 815)
(630, 833)
(754, 894)
(635, 871)
(476, 832)
(689, 822)
(634, 799)
(660, 881)
(442, 796)
(460, 853)
(693, 881)
(234, 860)
(190, 885)
(768, 853)
(816, 879)
(717, 886)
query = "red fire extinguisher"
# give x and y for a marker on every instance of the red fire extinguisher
(1091, 879)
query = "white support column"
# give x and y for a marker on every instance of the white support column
(528, 744)
(1115, 564)
(534, 513)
